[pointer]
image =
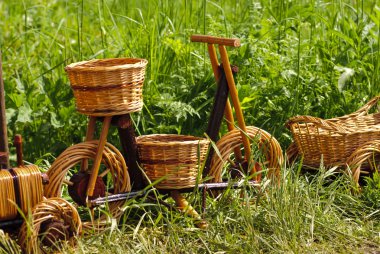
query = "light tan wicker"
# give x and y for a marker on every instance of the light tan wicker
(19, 188)
(361, 161)
(106, 87)
(262, 140)
(176, 159)
(291, 153)
(112, 160)
(334, 140)
(49, 209)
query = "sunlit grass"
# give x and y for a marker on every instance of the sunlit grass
(305, 214)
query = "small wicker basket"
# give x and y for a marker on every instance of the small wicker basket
(334, 140)
(175, 159)
(106, 87)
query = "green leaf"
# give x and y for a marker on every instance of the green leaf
(24, 113)
(54, 121)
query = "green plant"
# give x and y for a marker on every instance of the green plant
(371, 190)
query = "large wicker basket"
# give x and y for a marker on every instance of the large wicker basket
(332, 141)
(106, 87)
(173, 159)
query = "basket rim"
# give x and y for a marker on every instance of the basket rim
(159, 140)
(83, 65)
(322, 131)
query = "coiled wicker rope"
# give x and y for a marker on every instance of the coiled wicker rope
(176, 159)
(49, 209)
(106, 87)
(19, 187)
(361, 160)
(266, 143)
(73, 156)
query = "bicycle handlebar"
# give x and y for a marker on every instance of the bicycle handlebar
(233, 42)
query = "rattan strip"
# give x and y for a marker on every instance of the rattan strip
(175, 159)
(265, 142)
(361, 155)
(30, 191)
(291, 153)
(334, 140)
(8, 208)
(106, 87)
(108, 102)
(363, 111)
(112, 159)
(48, 209)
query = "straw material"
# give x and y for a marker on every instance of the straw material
(291, 153)
(20, 187)
(48, 209)
(73, 156)
(175, 159)
(265, 143)
(106, 87)
(332, 141)
(361, 161)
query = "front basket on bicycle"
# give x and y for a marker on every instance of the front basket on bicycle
(106, 87)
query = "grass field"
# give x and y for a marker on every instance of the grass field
(316, 57)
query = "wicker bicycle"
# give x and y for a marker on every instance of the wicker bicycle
(98, 175)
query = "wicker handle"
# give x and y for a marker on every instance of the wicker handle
(360, 112)
(364, 110)
(325, 124)
(215, 40)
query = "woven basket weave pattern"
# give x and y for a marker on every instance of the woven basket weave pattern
(335, 139)
(106, 87)
(174, 158)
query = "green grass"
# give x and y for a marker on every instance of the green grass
(319, 58)
(308, 213)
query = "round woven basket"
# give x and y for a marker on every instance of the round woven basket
(106, 87)
(173, 159)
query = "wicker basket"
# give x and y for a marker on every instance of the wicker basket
(106, 87)
(334, 140)
(175, 159)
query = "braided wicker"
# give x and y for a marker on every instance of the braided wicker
(22, 187)
(176, 159)
(332, 141)
(48, 209)
(361, 161)
(112, 160)
(106, 87)
(266, 144)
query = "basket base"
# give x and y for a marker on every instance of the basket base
(109, 112)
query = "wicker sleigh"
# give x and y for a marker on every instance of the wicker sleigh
(174, 160)
(332, 141)
(106, 87)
